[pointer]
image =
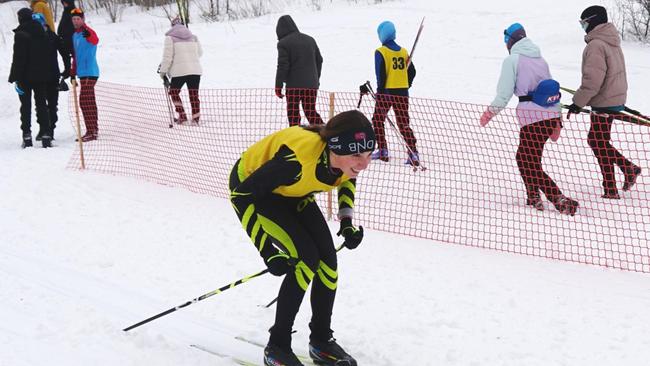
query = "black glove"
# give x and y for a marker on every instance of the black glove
(280, 263)
(363, 89)
(573, 109)
(63, 86)
(85, 32)
(352, 235)
(65, 74)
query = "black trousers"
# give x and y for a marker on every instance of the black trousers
(599, 139)
(532, 139)
(193, 82)
(53, 102)
(306, 97)
(400, 105)
(296, 226)
(40, 98)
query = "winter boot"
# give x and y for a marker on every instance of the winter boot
(88, 136)
(180, 120)
(27, 142)
(566, 205)
(611, 194)
(630, 178)
(275, 356)
(39, 136)
(536, 202)
(380, 154)
(330, 354)
(46, 141)
(413, 159)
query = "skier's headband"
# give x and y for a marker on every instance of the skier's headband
(352, 142)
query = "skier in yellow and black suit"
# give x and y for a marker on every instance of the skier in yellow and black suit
(272, 190)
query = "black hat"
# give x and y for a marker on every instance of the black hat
(593, 16)
(24, 15)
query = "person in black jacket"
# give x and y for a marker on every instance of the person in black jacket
(30, 71)
(65, 31)
(54, 45)
(299, 68)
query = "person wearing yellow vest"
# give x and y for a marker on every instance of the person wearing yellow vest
(272, 189)
(395, 75)
(42, 7)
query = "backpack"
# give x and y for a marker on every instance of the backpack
(547, 94)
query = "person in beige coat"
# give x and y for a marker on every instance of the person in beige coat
(604, 88)
(180, 62)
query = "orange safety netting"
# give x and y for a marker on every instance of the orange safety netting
(471, 189)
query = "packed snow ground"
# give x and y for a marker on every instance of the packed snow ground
(84, 255)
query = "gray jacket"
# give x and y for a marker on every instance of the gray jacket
(299, 59)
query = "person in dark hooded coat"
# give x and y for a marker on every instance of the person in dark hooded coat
(298, 70)
(65, 32)
(30, 71)
(54, 45)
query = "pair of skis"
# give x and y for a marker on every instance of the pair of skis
(240, 361)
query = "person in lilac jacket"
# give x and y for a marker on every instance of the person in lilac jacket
(521, 72)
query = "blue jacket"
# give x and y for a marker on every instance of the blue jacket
(85, 53)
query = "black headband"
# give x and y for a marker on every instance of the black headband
(353, 141)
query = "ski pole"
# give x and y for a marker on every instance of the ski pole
(202, 297)
(636, 113)
(363, 90)
(169, 103)
(276, 298)
(634, 119)
(415, 43)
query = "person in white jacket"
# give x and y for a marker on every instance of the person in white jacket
(180, 62)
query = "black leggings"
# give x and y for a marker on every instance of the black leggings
(297, 226)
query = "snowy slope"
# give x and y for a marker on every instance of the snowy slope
(84, 255)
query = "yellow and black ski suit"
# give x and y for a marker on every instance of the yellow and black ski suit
(272, 190)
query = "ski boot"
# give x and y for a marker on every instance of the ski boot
(630, 178)
(330, 354)
(413, 159)
(536, 202)
(180, 119)
(566, 205)
(88, 136)
(275, 356)
(380, 154)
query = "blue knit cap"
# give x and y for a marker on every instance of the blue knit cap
(386, 31)
(513, 34)
(39, 18)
